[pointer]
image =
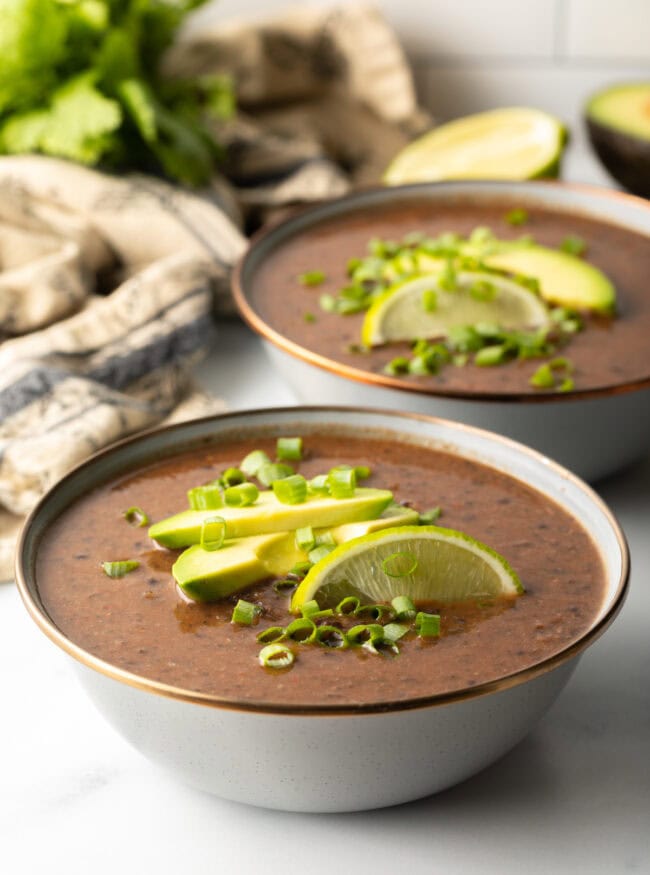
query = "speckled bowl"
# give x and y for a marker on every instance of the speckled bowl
(593, 431)
(327, 758)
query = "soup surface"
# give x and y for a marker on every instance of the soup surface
(608, 352)
(143, 624)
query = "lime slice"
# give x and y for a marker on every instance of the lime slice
(426, 563)
(513, 143)
(420, 308)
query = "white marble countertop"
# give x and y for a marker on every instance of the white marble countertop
(574, 796)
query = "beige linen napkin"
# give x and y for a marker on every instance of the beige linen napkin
(109, 285)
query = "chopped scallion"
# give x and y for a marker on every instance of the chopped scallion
(289, 448)
(427, 625)
(305, 539)
(242, 495)
(320, 552)
(574, 245)
(517, 217)
(404, 608)
(318, 485)
(302, 630)
(276, 656)
(271, 634)
(268, 473)
(373, 612)
(232, 477)
(135, 516)
(491, 355)
(349, 605)
(399, 564)
(245, 613)
(213, 533)
(362, 472)
(301, 568)
(395, 631)
(120, 568)
(429, 300)
(331, 636)
(205, 497)
(290, 490)
(312, 278)
(429, 516)
(253, 462)
(365, 633)
(342, 482)
(285, 585)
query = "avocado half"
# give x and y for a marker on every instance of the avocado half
(618, 124)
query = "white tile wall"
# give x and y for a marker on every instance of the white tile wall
(608, 29)
(470, 55)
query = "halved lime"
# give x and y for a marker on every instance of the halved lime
(512, 143)
(421, 308)
(426, 563)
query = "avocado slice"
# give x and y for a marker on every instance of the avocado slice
(209, 575)
(564, 279)
(269, 515)
(618, 124)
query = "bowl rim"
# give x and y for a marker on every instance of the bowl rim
(378, 379)
(28, 588)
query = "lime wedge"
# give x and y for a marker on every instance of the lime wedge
(426, 563)
(420, 308)
(513, 143)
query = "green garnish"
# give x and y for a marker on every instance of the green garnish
(232, 477)
(289, 448)
(554, 374)
(302, 630)
(301, 568)
(241, 495)
(135, 516)
(429, 516)
(491, 355)
(404, 608)
(342, 482)
(394, 631)
(574, 245)
(517, 217)
(308, 317)
(349, 605)
(318, 485)
(213, 533)
(362, 472)
(205, 497)
(120, 568)
(399, 564)
(271, 635)
(285, 584)
(245, 613)
(276, 656)
(327, 303)
(373, 612)
(312, 278)
(291, 489)
(429, 300)
(268, 473)
(253, 462)
(320, 552)
(305, 539)
(85, 81)
(427, 625)
(331, 636)
(365, 633)
(482, 290)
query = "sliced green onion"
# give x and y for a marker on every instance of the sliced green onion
(213, 533)
(482, 290)
(326, 538)
(447, 279)
(404, 608)
(342, 482)
(427, 625)
(491, 355)
(135, 516)
(120, 568)
(396, 366)
(517, 217)
(245, 613)
(395, 631)
(312, 278)
(268, 473)
(331, 636)
(574, 245)
(429, 300)
(399, 564)
(365, 633)
(308, 317)
(232, 477)
(327, 303)
(290, 490)
(429, 516)
(285, 584)
(289, 448)
(271, 634)
(567, 385)
(276, 656)
(253, 462)
(205, 497)
(312, 610)
(302, 630)
(543, 378)
(349, 605)
(362, 472)
(305, 539)
(242, 495)
(373, 612)
(301, 568)
(318, 485)
(320, 552)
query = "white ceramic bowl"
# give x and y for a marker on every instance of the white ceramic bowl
(594, 432)
(328, 759)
